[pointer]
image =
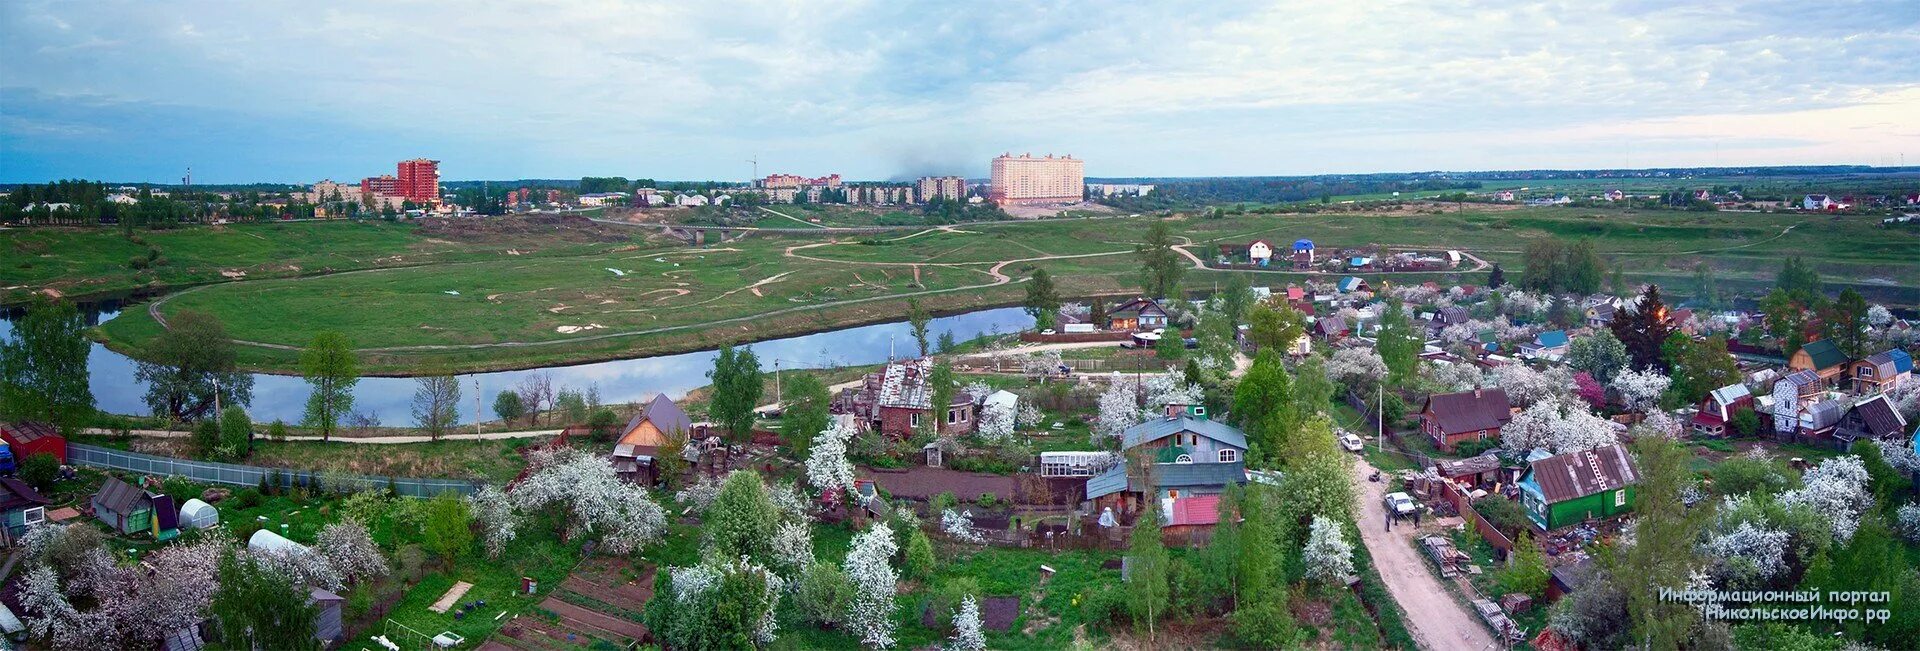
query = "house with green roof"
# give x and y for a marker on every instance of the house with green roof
(1823, 358)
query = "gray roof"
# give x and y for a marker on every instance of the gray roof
(666, 416)
(1823, 414)
(1160, 428)
(1178, 475)
(118, 496)
(1112, 481)
(1169, 475)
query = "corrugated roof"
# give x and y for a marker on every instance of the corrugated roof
(1469, 411)
(1824, 354)
(1881, 419)
(118, 496)
(1469, 466)
(1160, 428)
(1802, 378)
(1573, 475)
(24, 433)
(1179, 475)
(17, 495)
(1727, 395)
(1112, 481)
(1902, 362)
(1822, 415)
(1551, 339)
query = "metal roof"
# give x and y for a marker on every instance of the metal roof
(1824, 354)
(1180, 475)
(24, 433)
(1881, 419)
(1469, 411)
(1728, 394)
(1573, 475)
(664, 414)
(1551, 339)
(1821, 415)
(1160, 428)
(1112, 481)
(118, 496)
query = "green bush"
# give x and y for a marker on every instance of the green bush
(1265, 625)
(40, 469)
(823, 595)
(920, 561)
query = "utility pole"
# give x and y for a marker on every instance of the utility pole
(1380, 421)
(476, 406)
(778, 397)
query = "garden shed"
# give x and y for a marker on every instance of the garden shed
(326, 617)
(166, 518)
(122, 506)
(196, 514)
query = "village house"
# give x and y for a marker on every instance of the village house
(1874, 418)
(20, 507)
(1260, 252)
(1136, 315)
(1823, 358)
(1352, 284)
(1567, 489)
(1600, 314)
(1880, 372)
(1450, 419)
(895, 401)
(636, 451)
(1819, 423)
(1303, 254)
(1717, 409)
(1188, 456)
(1792, 393)
(1551, 345)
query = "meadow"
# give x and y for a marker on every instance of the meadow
(463, 308)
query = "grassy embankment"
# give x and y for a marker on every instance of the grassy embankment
(687, 298)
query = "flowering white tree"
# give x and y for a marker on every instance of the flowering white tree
(1749, 554)
(692, 584)
(1661, 423)
(1457, 333)
(1029, 416)
(350, 549)
(1558, 426)
(1170, 389)
(1907, 520)
(1901, 456)
(176, 594)
(1837, 490)
(1454, 377)
(594, 497)
(1905, 396)
(1524, 304)
(1525, 386)
(793, 547)
(700, 494)
(787, 497)
(53, 617)
(1879, 316)
(499, 521)
(1640, 390)
(1355, 368)
(869, 567)
(1328, 555)
(977, 391)
(960, 528)
(996, 423)
(1119, 410)
(1039, 363)
(968, 633)
(302, 566)
(827, 467)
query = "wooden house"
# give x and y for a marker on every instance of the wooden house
(896, 401)
(1874, 419)
(1567, 489)
(636, 451)
(1188, 453)
(1550, 345)
(1449, 419)
(1472, 471)
(122, 506)
(1136, 315)
(20, 507)
(1823, 358)
(1717, 409)
(1792, 393)
(1877, 373)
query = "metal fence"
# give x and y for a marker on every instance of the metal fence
(239, 475)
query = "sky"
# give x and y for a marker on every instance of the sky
(892, 89)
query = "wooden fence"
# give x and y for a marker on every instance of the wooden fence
(1503, 547)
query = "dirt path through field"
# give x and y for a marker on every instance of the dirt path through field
(1434, 618)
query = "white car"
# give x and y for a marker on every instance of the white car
(1048, 331)
(1400, 504)
(1352, 443)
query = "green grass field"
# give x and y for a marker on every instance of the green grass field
(468, 307)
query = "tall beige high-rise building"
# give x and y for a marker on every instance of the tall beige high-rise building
(1027, 180)
(950, 188)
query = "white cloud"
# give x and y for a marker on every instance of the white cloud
(688, 89)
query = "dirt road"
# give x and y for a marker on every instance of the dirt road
(1434, 618)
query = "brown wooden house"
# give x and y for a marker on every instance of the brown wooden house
(1823, 358)
(1450, 419)
(636, 451)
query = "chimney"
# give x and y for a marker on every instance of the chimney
(1476, 392)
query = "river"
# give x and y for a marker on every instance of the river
(628, 380)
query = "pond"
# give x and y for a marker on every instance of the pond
(628, 380)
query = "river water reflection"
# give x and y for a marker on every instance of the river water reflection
(390, 399)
